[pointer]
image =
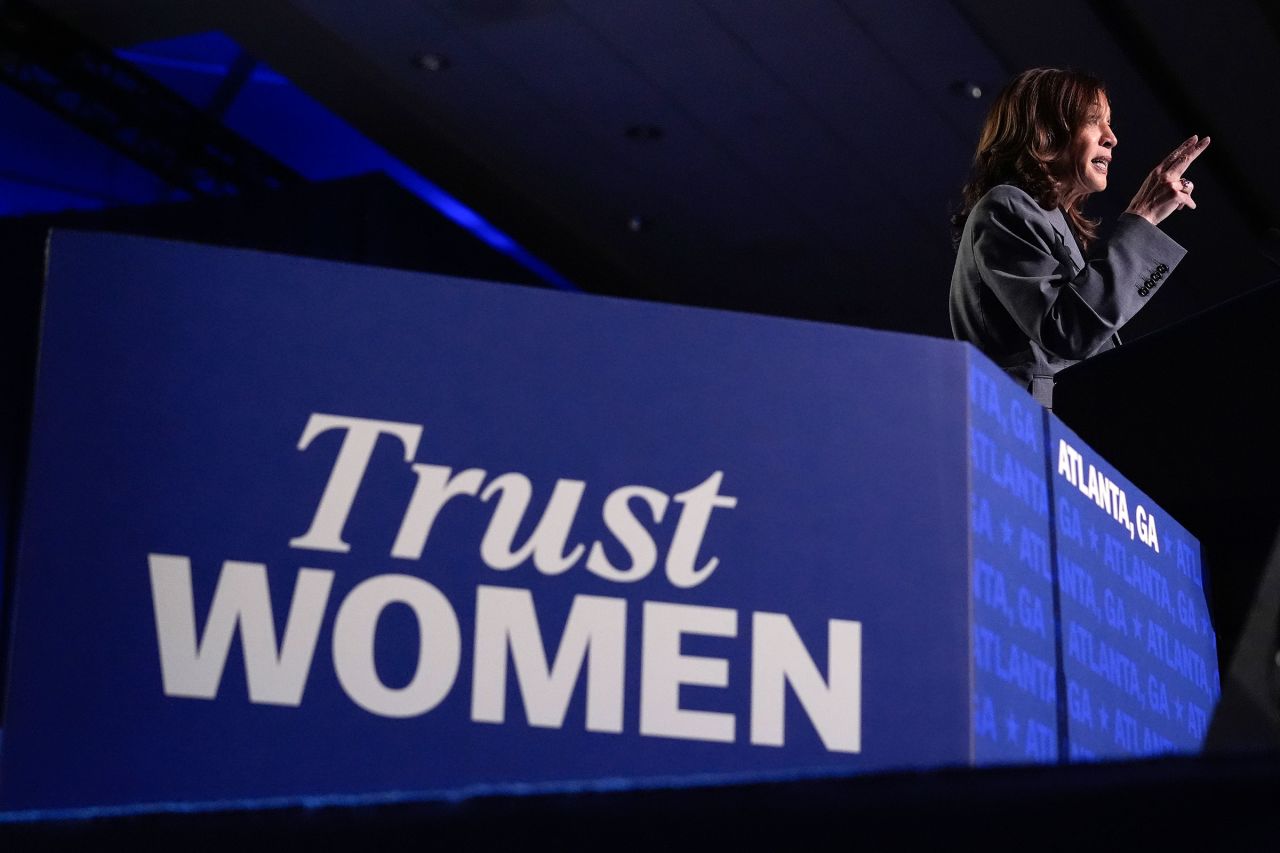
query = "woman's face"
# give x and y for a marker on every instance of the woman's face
(1083, 168)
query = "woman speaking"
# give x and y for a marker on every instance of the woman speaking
(1032, 287)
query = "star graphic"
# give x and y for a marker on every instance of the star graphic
(1011, 727)
(1006, 530)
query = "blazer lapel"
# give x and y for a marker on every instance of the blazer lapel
(1066, 240)
(1067, 251)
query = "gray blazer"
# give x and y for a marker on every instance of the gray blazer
(1024, 295)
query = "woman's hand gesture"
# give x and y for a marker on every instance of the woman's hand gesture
(1165, 190)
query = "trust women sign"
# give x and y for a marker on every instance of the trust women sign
(298, 530)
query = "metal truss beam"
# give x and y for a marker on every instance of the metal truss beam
(115, 103)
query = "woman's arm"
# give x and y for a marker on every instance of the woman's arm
(1068, 310)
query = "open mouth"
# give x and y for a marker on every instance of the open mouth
(1101, 164)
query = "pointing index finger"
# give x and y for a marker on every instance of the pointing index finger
(1176, 154)
(1185, 154)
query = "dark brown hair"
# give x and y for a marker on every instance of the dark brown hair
(1029, 127)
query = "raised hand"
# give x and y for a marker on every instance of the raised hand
(1165, 190)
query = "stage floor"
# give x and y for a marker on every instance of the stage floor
(1185, 803)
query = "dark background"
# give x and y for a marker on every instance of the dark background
(791, 158)
(796, 158)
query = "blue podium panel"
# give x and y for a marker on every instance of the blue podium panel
(1139, 654)
(1015, 699)
(302, 529)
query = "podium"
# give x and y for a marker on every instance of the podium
(1183, 412)
(296, 532)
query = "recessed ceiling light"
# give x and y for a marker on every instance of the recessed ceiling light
(967, 89)
(431, 61)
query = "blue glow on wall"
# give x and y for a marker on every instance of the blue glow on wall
(54, 167)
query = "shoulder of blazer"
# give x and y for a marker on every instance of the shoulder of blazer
(1019, 212)
(1014, 199)
(1012, 210)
